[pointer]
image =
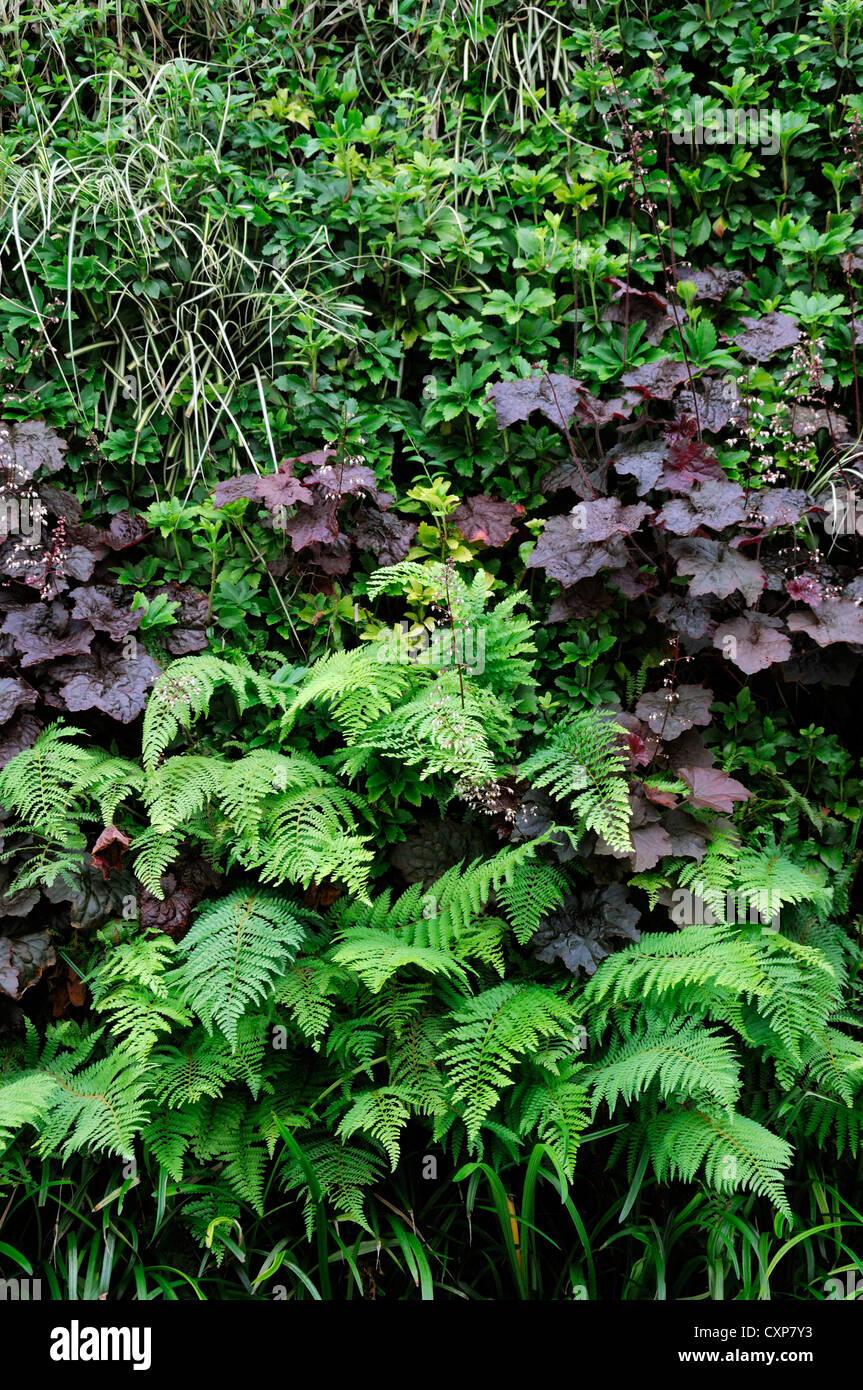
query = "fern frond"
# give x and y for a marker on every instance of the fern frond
(380, 1113)
(488, 1036)
(583, 762)
(681, 1057)
(234, 952)
(185, 690)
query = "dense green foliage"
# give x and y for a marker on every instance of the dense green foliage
(375, 869)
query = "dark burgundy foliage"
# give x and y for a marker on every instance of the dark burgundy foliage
(715, 504)
(100, 606)
(670, 713)
(388, 537)
(631, 305)
(109, 850)
(762, 337)
(189, 880)
(22, 960)
(555, 395)
(107, 680)
(586, 927)
(486, 520)
(658, 380)
(438, 846)
(717, 569)
(34, 445)
(714, 282)
(710, 787)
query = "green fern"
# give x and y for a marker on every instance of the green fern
(583, 762)
(238, 947)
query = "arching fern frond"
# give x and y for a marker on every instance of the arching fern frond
(234, 952)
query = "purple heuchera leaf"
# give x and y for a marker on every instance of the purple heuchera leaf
(712, 788)
(99, 604)
(604, 517)
(388, 537)
(650, 844)
(689, 460)
(126, 529)
(669, 713)
(562, 557)
(689, 618)
(590, 410)
(43, 631)
(109, 681)
(280, 489)
(762, 337)
(717, 569)
(14, 693)
(581, 932)
(776, 506)
(22, 960)
(632, 582)
(554, 394)
(834, 620)
(753, 641)
(316, 522)
(631, 305)
(643, 461)
(572, 476)
(658, 380)
(28, 446)
(343, 479)
(714, 282)
(714, 403)
(583, 600)
(15, 737)
(189, 633)
(716, 503)
(333, 558)
(486, 520)
(690, 750)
